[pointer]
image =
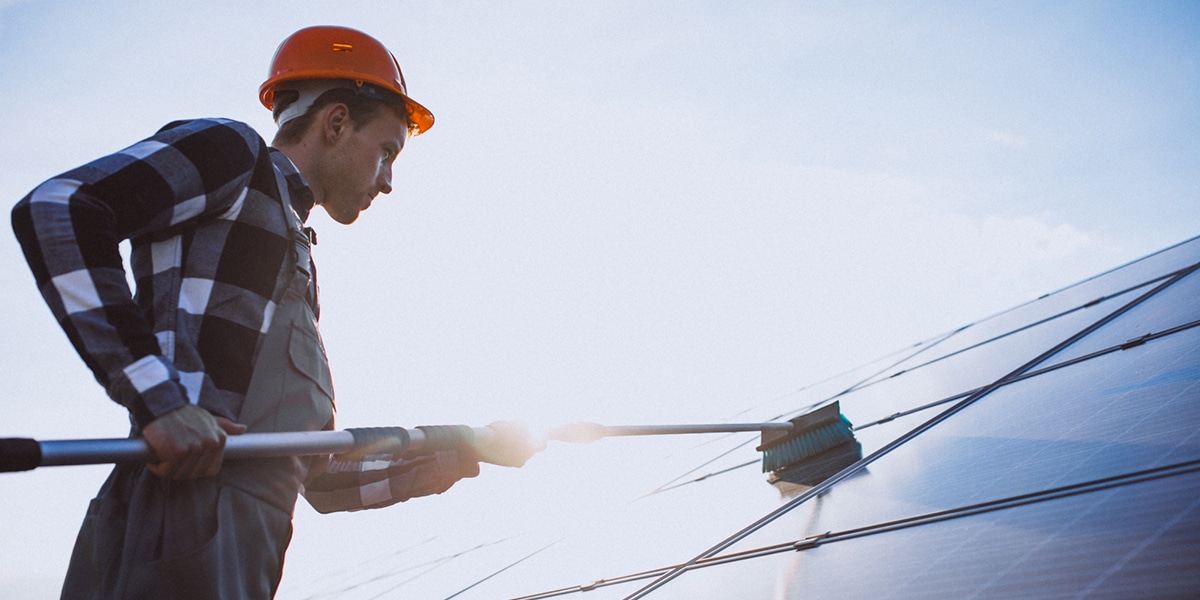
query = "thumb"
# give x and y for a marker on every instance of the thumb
(230, 427)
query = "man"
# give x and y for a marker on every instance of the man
(221, 336)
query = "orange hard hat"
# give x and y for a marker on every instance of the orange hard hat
(327, 52)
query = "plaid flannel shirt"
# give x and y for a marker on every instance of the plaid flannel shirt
(200, 205)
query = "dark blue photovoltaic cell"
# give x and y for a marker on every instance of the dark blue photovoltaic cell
(1136, 541)
(1171, 307)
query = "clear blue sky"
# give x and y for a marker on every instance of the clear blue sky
(646, 212)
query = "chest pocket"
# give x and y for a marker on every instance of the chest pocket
(307, 355)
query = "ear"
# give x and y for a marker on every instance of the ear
(335, 122)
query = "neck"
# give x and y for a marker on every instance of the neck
(305, 156)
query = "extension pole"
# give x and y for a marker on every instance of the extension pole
(23, 454)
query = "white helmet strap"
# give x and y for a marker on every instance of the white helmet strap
(309, 90)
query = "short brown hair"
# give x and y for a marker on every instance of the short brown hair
(361, 110)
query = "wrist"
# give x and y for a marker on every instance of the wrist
(150, 388)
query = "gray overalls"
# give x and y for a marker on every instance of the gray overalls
(225, 536)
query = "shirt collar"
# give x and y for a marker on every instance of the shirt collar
(302, 196)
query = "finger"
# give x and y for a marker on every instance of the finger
(161, 469)
(188, 466)
(208, 460)
(191, 455)
(230, 427)
(203, 465)
(213, 467)
(217, 455)
(168, 462)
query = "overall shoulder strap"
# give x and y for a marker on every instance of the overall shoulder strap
(297, 271)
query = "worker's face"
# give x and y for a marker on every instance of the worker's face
(358, 165)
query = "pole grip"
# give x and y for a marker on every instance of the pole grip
(19, 454)
(382, 441)
(446, 437)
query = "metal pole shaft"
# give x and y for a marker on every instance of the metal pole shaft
(250, 445)
(678, 429)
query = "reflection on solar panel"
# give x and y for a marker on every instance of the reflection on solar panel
(1049, 451)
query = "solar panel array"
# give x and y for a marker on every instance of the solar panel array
(1049, 451)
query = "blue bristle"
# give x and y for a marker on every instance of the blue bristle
(806, 444)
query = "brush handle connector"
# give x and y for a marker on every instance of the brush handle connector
(825, 415)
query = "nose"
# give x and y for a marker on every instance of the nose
(384, 181)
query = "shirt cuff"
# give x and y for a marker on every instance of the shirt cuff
(149, 388)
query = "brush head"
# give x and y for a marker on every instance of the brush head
(820, 441)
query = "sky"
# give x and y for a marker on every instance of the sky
(627, 212)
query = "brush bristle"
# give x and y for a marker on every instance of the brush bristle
(802, 445)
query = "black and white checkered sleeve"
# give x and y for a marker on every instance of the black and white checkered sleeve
(351, 485)
(70, 227)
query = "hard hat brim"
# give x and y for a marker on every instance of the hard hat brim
(421, 117)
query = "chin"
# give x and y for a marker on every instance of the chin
(344, 217)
